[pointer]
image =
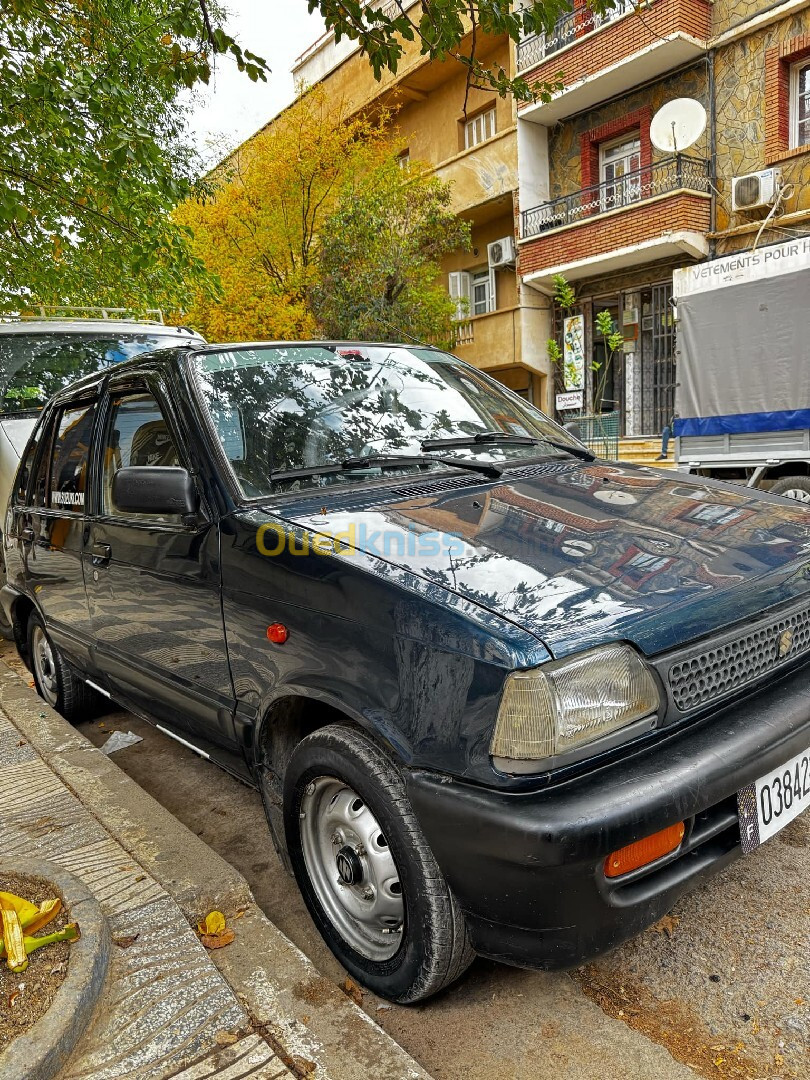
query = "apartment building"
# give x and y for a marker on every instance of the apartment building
(602, 206)
(505, 324)
(576, 187)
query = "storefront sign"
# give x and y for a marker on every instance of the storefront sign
(574, 352)
(569, 401)
(766, 262)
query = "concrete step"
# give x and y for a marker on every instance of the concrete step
(645, 452)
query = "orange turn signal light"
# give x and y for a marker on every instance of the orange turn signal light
(277, 633)
(644, 851)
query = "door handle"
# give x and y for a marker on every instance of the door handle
(100, 554)
(27, 535)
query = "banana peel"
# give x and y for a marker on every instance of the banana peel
(13, 941)
(32, 918)
(18, 914)
(68, 933)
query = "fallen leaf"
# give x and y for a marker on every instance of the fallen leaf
(214, 923)
(218, 941)
(126, 942)
(351, 989)
(226, 1038)
(21, 742)
(240, 913)
(667, 925)
(12, 999)
(141, 877)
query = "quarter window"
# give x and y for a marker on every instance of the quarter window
(800, 104)
(137, 434)
(479, 129)
(68, 474)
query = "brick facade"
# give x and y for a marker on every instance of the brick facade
(610, 44)
(778, 61)
(624, 228)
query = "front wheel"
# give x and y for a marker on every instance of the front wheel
(365, 870)
(792, 487)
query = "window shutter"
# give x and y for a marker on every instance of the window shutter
(493, 296)
(459, 287)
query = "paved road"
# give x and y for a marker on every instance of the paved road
(723, 990)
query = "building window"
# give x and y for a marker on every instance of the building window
(473, 292)
(404, 159)
(480, 128)
(483, 293)
(800, 104)
(619, 171)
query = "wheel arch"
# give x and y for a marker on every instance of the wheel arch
(286, 720)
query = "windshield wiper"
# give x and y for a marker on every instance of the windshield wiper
(495, 437)
(480, 438)
(577, 451)
(385, 461)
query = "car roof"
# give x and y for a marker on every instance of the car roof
(94, 326)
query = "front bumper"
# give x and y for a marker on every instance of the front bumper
(527, 869)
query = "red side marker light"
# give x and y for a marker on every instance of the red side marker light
(277, 633)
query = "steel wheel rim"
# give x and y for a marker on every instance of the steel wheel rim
(351, 868)
(44, 665)
(799, 494)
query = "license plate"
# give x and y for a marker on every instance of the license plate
(773, 801)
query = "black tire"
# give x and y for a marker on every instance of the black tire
(70, 696)
(433, 948)
(798, 484)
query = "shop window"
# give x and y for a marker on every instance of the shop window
(479, 128)
(800, 104)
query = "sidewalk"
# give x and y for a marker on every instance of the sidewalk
(256, 1009)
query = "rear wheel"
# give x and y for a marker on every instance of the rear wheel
(365, 870)
(54, 680)
(792, 487)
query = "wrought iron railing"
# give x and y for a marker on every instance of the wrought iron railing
(662, 177)
(598, 431)
(575, 24)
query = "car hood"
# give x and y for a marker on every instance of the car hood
(579, 554)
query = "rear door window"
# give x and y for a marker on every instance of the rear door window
(68, 473)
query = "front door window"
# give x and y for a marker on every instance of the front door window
(620, 165)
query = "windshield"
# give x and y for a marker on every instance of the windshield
(33, 367)
(278, 409)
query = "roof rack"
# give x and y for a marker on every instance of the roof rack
(45, 311)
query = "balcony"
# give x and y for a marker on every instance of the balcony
(483, 178)
(658, 211)
(599, 57)
(533, 50)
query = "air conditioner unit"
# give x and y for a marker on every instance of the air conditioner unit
(501, 252)
(754, 190)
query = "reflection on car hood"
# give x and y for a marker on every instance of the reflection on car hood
(579, 554)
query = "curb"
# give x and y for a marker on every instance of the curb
(44, 1050)
(316, 1029)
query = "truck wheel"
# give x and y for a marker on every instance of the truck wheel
(53, 678)
(368, 877)
(792, 487)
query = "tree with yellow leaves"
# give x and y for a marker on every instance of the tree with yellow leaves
(286, 232)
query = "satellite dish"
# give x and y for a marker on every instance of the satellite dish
(677, 125)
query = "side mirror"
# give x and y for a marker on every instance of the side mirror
(154, 489)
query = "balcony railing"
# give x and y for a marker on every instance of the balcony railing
(575, 24)
(663, 177)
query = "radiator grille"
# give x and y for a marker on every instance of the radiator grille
(730, 665)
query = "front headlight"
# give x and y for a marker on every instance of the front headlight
(552, 715)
